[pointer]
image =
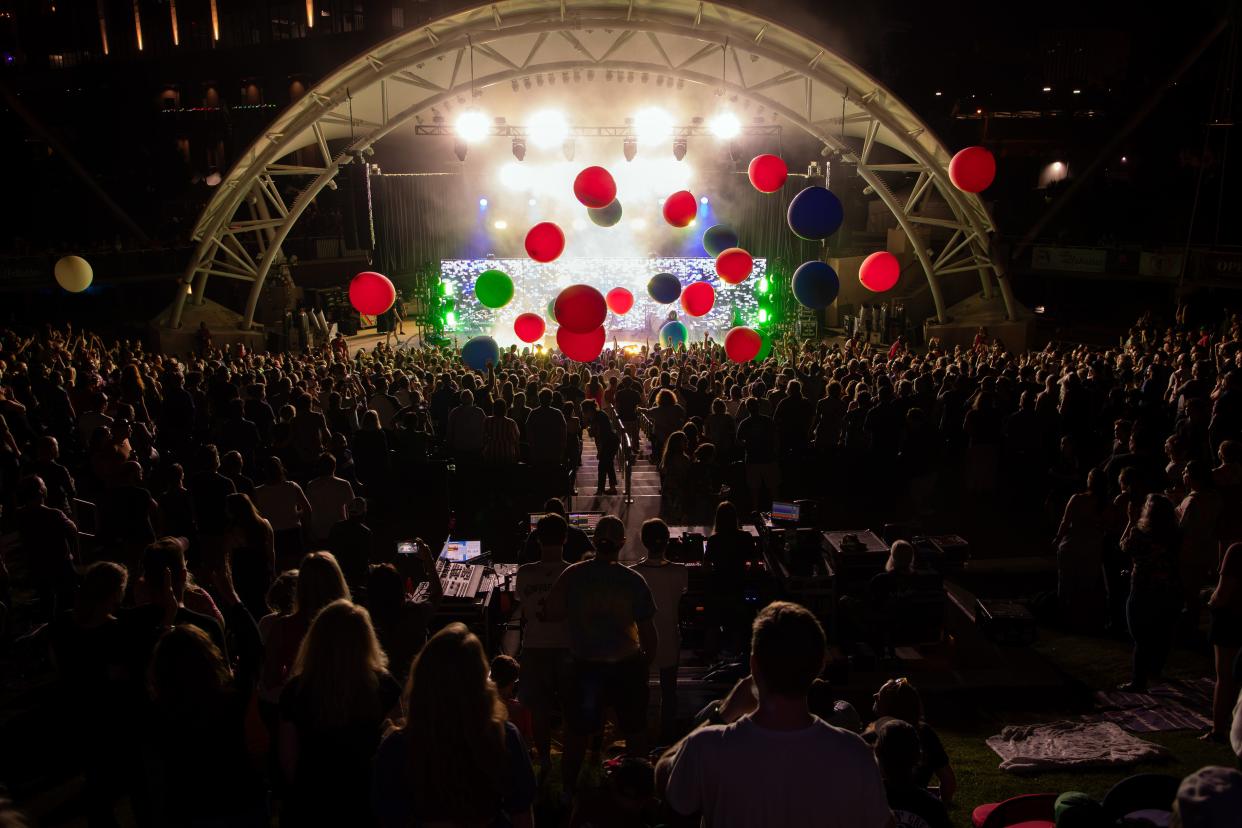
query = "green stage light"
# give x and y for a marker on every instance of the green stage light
(763, 315)
(446, 287)
(450, 320)
(764, 284)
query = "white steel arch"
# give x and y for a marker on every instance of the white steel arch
(240, 232)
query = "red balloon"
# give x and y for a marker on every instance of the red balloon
(767, 173)
(583, 347)
(545, 242)
(698, 298)
(742, 344)
(580, 308)
(680, 208)
(734, 265)
(595, 188)
(371, 293)
(529, 327)
(879, 271)
(972, 169)
(619, 301)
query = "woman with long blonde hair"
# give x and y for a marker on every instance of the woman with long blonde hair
(320, 582)
(456, 760)
(332, 712)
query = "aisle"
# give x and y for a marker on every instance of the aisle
(644, 485)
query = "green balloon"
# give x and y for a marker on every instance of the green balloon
(493, 288)
(765, 346)
(552, 310)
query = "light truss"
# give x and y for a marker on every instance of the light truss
(719, 48)
(506, 131)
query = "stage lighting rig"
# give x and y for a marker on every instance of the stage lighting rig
(472, 126)
(725, 125)
(679, 148)
(460, 149)
(629, 148)
(519, 149)
(653, 125)
(568, 149)
(548, 128)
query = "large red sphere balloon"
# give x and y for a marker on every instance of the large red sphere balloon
(595, 188)
(879, 271)
(680, 208)
(580, 308)
(583, 347)
(619, 301)
(698, 298)
(545, 241)
(734, 265)
(371, 293)
(529, 327)
(767, 173)
(742, 344)
(972, 169)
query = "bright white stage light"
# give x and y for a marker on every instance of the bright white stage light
(703, 200)
(548, 128)
(472, 126)
(483, 203)
(501, 224)
(653, 125)
(515, 176)
(532, 203)
(639, 224)
(725, 126)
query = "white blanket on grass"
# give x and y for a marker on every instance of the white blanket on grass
(1066, 745)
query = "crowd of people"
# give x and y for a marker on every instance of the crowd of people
(193, 539)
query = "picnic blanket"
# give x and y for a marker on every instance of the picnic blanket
(1070, 745)
(1174, 705)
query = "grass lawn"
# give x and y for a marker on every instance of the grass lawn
(1095, 663)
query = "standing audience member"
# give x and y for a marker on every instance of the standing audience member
(454, 759)
(762, 765)
(667, 581)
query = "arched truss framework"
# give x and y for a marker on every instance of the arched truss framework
(240, 232)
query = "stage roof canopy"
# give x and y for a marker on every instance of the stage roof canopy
(490, 52)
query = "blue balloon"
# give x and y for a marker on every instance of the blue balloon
(673, 334)
(718, 238)
(815, 214)
(606, 216)
(815, 285)
(664, 288)
(479, 351)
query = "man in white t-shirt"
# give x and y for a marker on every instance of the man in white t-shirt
(544, 659)
(667, 581)
(771, 762)
(329, 498)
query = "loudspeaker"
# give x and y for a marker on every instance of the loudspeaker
(358, 217)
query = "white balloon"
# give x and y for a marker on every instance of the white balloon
(73, 273)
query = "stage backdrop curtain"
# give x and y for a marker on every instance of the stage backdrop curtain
(419, 220)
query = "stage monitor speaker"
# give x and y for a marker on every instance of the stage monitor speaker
(358, 217)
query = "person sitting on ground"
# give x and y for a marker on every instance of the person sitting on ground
(763, 766)
(454, 759)
(504, 674)
(899, 753)
(899, 699)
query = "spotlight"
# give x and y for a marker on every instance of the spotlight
(653, 125)
(460, 149)
(532, 203)
(725, 126)
(568, 149)
(501, 224)
(703, 200)
(472, 126)
(519, 149)
(482, 203)
(679, 148)
(548, 128)
(629, 148)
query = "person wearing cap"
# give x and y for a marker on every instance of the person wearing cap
(1210, 797)
(610, 619)
(350, 540)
